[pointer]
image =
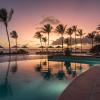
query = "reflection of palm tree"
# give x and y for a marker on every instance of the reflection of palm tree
(5, 88)
(74, 72)
(14, 68)
(61, 30)
(61, 74)
(70, 32)
(80, 67)
(15, 36)
(47, 74)
(47, 29)
(39, 67)
(44, 63)
(5, 17)
(38, 35)
(68, 67)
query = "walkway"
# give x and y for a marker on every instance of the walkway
(85, 87)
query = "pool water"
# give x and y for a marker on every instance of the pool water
(37, 79)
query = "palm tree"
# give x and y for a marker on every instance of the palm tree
(74, 28)
(15, 36)
(97, 38)
(47, 29)
(91, 36)
(38, 35)
(5, 17)
(70, 32)
(61, 30)
(66, 41)
(44, 39)
(80, 34)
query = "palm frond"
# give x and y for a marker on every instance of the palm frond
(10, 15)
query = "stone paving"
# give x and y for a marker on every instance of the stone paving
(84, 87)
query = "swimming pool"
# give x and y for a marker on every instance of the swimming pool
(37, 79)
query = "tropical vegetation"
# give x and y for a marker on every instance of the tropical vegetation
(5, 18)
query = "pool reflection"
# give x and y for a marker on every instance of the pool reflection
(37, 77)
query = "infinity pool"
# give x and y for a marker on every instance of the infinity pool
(37, 79)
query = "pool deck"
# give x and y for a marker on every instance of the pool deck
(84, 87)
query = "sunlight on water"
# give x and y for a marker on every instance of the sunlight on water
(37, 79)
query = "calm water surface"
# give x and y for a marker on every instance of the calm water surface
(37, 79)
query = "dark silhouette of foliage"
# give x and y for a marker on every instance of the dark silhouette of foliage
(15, 36)
(5, 17)
(61, 29)
(95, 49)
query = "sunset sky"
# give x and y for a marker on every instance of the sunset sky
(28, 15)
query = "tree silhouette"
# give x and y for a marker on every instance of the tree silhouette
(5, 17)
(61, 30)
(80, 34)
(39, 36)
(15, 36)
(74, 28)
(91, 36)
(44, 39)
(97, 38)
(70, 32)
(47, 29)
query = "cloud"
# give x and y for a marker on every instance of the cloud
(50, 20)
(59, 41)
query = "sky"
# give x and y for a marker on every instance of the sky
(31, 14)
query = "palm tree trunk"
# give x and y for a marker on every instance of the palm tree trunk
(81, 43)
(75, 42)
(6, 77)
(62, 42)
(45, 47)
(48, 39)
(8, 38)
(41, 45)
(48, 43)
(92, 42)
(16, 45)
(70, 42)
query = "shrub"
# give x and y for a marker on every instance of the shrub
(67, 51)
(95, 49)
(22, 51)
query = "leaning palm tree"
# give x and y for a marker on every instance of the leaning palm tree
(74, 28)
(5, 17)
(70, 32)
(47, 29)
(44, 39)
(80, 34)
(39, 36)
(91, 36)
(61, 30)
(15, 36)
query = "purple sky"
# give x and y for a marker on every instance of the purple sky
(29, 13)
